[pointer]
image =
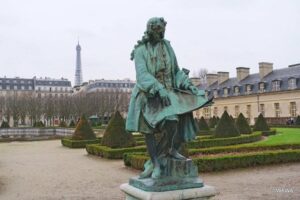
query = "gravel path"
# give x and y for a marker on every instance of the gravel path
(45, 170)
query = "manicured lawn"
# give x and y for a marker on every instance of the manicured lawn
(283, 136)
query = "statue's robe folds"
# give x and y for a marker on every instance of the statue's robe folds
(145, 104)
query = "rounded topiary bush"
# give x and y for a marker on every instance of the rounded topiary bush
(297, 122)
(115, 135)
(203, 125)
(261, 124)
(72, 124)
(226, 127)
(212, 122)
(242, 125)
(4, 124)
(83, 130)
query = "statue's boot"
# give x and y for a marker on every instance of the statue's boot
(175, 154)
(148, 170)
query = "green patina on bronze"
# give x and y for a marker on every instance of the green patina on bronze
(161, 107)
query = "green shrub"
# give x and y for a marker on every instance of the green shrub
(62, 124)
(204, 143)
(38, 124)
(203, 125)
(115, 135)
(297, 122)
(69, 142)
(212, 122)
(261, 124)
(268, 133)
(4, 124)
(83, 130)
(223, 162)
(72, 124)
(226, 127)
(242, 125)
(107, 152)
(243, 148)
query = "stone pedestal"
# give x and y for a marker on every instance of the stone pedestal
(179, 180)
(203, 193)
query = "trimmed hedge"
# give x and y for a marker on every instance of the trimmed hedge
(242, 125)
(116, 153)
(4, 124)
(224, 141)
(243, 148)
(203, 125)
(261, 124)
(68, 142)
(115, 135)
(208, 164)
(268, 133)
(83, 130)
(284, 126)
(297, 122)
(226, 127)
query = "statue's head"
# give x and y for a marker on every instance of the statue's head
(156, 27)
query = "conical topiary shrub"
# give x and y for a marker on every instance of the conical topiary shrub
(261, 124)
(4, 124)
(83, 130)
(72, 124)
(242, 125)
(212, 122)
(62, 124)
(297, 122)
(225, 127)
(115, 135)
(203, 125)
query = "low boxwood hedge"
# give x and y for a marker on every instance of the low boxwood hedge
(68, 142)
(268, 133)
(223, 162)
(204, 143)
(243, 148)
(116, 153)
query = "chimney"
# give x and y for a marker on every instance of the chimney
(265, 68)
(196, 81)
(242, 73)
(211, 79)
(222, 77)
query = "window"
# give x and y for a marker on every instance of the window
(22, 81)
(15, 81)
(277, 109)
(225, 92)
(50, 89)
(215, 93)
(0, 87)
(22, 87)
(236, 90)
(292, 83)
(293, 109)
(39, 88)
(248, 112)
(206, 112)
(225, 108)
(30, 87)
(261, 87)
(7, 81)
(276, 85)
(262, 109)
(8, 87)
(236, 111)
(216, 111)
(15, 87)
(248, 89)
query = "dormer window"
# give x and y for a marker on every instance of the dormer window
(276, 85)
(236, 90)
(292, 83)
(225, 92)
(248, 89)
(215, 93)
(261, 87)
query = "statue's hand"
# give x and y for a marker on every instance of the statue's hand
(163, 93)
(194, 89)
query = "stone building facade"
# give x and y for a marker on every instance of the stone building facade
(274, 93)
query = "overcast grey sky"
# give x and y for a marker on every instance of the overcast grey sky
(38, 37)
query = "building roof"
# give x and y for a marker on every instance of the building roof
(282, 75)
